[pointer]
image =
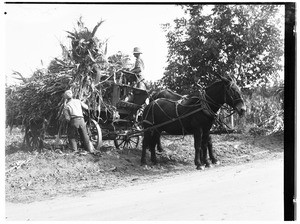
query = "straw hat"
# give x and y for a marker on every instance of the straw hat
(137, 50)
(68, 94)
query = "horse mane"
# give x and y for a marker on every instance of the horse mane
(155, 93)
(217, 82)
(231, 82)
(173, 92)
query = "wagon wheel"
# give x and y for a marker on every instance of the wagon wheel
(33, 139)
(125, 140)
(95, 133)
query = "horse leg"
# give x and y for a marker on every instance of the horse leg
(205, 148)
(145, 145)
(155, 141)
(211, 152)
(198, 151)
(159, 147)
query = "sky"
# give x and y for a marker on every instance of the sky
(33, 33)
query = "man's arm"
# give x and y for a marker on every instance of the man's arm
(138, 67)
(84, 106)
(66, 113)
(136, 70)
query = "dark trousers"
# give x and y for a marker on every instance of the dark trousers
(77, 125)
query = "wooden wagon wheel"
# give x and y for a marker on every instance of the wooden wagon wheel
(95, 133)
(125, 141)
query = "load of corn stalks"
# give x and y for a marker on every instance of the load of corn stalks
(35, 99)
(84, 69)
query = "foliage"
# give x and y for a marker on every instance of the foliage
(265, 110)
(120, 61)
(153, 86)
(241, 40)
(36, 98)
(84, 69)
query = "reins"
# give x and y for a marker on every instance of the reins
(170, 121)
(204, 104)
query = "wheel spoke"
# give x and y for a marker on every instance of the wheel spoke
(129, 143)
(134, 140)
(121, 143)
(125, 146)
(125, 140)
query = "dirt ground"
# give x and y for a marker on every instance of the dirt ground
(37, 176)
(250, 191)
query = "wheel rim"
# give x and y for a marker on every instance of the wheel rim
(95, 134)
(125, 142)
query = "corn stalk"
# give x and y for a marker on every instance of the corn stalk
(37, 102)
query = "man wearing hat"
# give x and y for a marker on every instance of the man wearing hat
(73, 114)
(138, 68)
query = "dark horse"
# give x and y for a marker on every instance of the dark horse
(195, 115)
(168, 94)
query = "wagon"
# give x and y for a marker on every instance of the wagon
(127, 102)
(116, 126)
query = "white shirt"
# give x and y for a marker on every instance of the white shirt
(74, 109)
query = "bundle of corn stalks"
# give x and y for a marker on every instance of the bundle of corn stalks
(36, 99)
(83, 69)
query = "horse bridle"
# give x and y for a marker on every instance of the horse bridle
(227, 90)
(233, 100)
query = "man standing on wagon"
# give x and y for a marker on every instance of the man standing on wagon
(73, 114)
(138, 68)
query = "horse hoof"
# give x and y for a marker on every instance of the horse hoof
(209, 165)
(200, 167)
(216, 162)
(146, 167)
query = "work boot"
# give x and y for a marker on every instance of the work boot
(73, 144)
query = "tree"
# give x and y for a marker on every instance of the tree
(245, 41)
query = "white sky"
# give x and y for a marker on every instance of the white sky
(33, 33)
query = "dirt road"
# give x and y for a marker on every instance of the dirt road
(251, 191)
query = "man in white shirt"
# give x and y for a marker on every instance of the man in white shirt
(74, 115)
(139, 68)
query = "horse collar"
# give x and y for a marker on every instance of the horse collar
(206, 106)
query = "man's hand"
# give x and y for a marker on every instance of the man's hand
(84, 106)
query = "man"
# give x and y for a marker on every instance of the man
(73, 114)
(138, 68)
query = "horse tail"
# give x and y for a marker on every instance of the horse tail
(148, 119)
(147, 122)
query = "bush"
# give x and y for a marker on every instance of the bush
(265, 110)
(264, 115)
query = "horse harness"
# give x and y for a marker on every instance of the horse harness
(201, 106)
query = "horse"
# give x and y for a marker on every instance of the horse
(169, 94)
(166, 93)
(195, 115)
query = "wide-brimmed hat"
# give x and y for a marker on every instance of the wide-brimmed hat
(68, 94)
(137, 50)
